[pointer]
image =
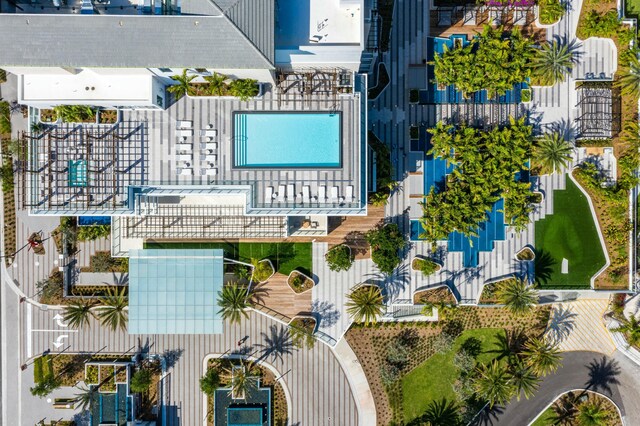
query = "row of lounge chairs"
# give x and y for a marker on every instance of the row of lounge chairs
(288, 194)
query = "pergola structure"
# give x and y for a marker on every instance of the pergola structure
(322, 81)
(477, 15)
(480, 115)
(80, 167)
(599, 111)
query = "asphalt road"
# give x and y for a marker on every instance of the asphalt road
(580, 370)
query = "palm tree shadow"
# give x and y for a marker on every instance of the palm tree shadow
(487, 416)
(560, 324)
(259, 292)
(543, 266)
(602, 375)
(276, 344)
(325, 313)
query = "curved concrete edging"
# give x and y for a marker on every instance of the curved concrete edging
(358, 381)
(600, 236)
(271, 368)
(574, 390)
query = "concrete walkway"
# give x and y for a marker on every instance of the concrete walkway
(578, 326)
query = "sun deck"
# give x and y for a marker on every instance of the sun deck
(192, 144)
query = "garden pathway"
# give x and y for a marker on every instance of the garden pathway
(578, 326)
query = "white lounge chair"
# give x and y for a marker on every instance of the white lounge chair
(184, 124)
(184, 157)
(268, 194)
(281, 194)
(349, 194)
(184, 147)
(334, 194)
(212, 158)
(210, 133)
(306, 194)
(211, 172)
(291, 192)
(186, 171)
(322, 194)
(184, 132)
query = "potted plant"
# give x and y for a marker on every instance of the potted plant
(300, 282)
(525, 96)
(339, 258)
(262, 270)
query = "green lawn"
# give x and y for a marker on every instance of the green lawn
(432, 379)
(546, 419)
(42, 369)
(285, 256)
(570, 232)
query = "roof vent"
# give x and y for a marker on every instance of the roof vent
(196, 23)
(120, 23)
(27, 22)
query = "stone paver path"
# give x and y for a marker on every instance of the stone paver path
(578, 326)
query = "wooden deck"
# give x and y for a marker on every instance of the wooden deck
(278, 296)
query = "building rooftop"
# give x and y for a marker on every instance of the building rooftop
(175, 291)
(241, 38)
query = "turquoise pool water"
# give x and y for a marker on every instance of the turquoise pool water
(287, 140)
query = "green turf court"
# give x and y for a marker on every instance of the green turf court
(432, 379)
(632, 8)
(569, 233)
(285, 256)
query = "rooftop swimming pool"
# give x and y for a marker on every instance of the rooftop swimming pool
(287, 140)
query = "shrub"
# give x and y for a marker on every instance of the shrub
(550, 11)
(141, 381)
(45, 387)
(3, 75)
(210, 381)
(301, 331)
(463, 360)
(426, 266)
(525, 95)
(453, 328)
(262, 270)
(6, 174)
(50, 289)
(244, 88)
(75, 113)
(5, 118)
(91, 375)
(389, 374)
(339, 258)
(93, 232)
(103, 262)
(442, 343)
(386, 241)
(397, 354)
(597, 25)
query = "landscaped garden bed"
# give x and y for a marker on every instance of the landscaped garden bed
(569, 233)
(409, 345)
(578, 408)
(8, 193)
(214, 85)
(107, 116)
(262, 270)
(434, 296)
(102, 261)
(302, 329)
(384, 171)
(425, 265)
(339, 258)
(299, 282)
(526, 253)
(550, 11)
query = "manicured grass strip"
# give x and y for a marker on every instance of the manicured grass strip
(285, 256)
(632, 8)
(42, 368)
(433, 379)
(5, 118)
(570, 233)
(546, 419)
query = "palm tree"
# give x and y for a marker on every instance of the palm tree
(493, 384)
(552, 152)
(365, 304)
(85, 396)
(523, 378)
(553, 62)
(631, 329)
(541, 356)
(233, 302)
(78, 313)
(244, 89)
(517, 295)
(183, 87)
(592, 413)
(441, 413)
(564, 410)
(113, 310)
(216, 83)
(629, 81)
(243, 379)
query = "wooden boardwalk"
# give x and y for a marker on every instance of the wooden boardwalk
(276, 294)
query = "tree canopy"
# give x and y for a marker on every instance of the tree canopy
(486, 163)
(493, 60)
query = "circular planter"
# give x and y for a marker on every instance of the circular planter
(525, 254)
(413, 267)
(309, 282)
(273, 271)
(540, 197)
(345, 245)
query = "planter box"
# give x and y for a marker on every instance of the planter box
(525, 254)
(308, 285)
(525, 96)
(422, 258)
(309, 317)
(273, 270)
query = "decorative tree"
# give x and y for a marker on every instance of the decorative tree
(552, 152)
(365, 304)
(113, 311)
(517, 295)
(184, 86)
(78, 314)
(553, 62)
(233, 302)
